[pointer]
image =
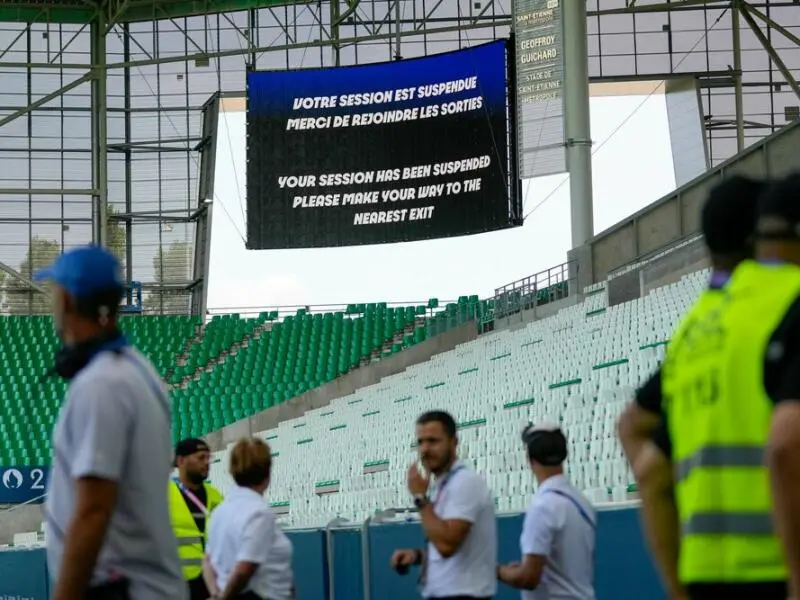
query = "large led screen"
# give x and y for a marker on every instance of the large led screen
(389, 152)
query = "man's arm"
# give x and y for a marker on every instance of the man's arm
(525, 575)
(653, 472)
(640, 418)
(258, 539)
(783, 462)
(95, 501)
(210, 577)
(538, 533)
(99, 422)
(446, 535)
(465, 498)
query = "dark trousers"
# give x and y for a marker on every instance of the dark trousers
(198, 589)
(457, 598)
(770, 590)
(117, 590)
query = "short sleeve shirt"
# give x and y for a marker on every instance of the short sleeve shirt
(244, 530)
(472, 571)
(560, 525)
(115, 425)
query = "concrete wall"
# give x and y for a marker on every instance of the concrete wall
(677, 215)
(343, 386)
(19, 518)
(523, 317)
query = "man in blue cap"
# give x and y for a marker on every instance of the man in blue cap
(109, 533)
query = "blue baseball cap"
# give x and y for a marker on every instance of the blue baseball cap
(84, 271)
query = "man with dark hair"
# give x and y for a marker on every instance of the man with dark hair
(457, 517)
(191, 501)
(558, 534)
(730, 435)
(107, 515)
(728, 225)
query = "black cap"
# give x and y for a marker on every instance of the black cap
(189, 446)
(729, 215)
(546, 444)
(779, 210)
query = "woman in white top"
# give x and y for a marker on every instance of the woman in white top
(247, 556)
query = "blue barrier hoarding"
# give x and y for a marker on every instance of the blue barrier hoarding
(309, 564)
(23, 575)
(23, 484)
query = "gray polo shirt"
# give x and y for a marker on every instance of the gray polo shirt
(115, 425)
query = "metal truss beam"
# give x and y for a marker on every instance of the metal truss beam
(771, 23)
(311, 44)
(45, 99)
(20, 277)
(47, 192)
(785, 71)
(662, 7)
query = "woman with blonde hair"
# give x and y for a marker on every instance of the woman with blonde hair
(248, 557)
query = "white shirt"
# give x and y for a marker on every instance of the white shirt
(472, 571)
(115, 425)
(555, 527)
(244, 530)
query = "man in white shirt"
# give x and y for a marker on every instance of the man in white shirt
(108, 526)
(558, 534)
(459, 561)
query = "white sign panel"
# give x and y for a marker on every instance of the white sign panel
(538, 32)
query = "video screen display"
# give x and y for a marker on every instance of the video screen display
(389, 152)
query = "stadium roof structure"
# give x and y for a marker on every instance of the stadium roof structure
(109, 108)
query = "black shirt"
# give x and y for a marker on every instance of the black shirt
(198, 515)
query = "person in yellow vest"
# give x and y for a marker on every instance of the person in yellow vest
(727, 221)
(731, 424)
(191, 502)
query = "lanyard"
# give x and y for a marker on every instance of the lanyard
(584, 515)
(440, 485)
(189, 494)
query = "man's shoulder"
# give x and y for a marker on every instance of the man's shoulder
(470, 481)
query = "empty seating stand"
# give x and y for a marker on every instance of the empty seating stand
(219, 335)
(30, 405)
(579, 367)
(291, 357)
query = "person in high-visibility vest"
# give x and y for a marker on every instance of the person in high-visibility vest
(191, 502)
(731, 429)
(727, 221)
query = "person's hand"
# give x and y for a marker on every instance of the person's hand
(417, 482)
(404, 558)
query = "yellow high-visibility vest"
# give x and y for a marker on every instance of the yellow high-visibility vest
(719, 413)
(190, 540)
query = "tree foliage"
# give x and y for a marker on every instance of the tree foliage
(17, 297)
(117, 236)
(20, 298)
(171, 266)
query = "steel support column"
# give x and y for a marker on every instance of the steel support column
(577, 121)
(737, 74)
(99, 106)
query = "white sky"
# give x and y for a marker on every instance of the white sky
(632, 169)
